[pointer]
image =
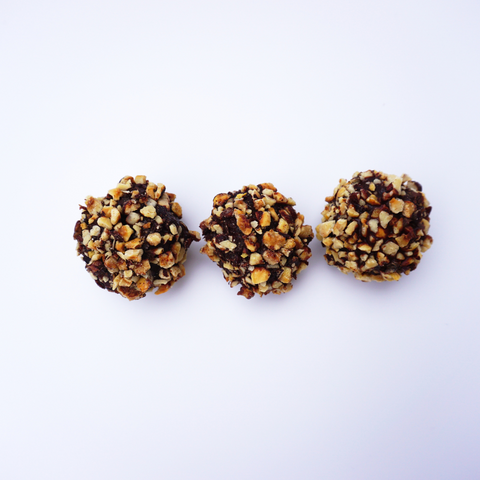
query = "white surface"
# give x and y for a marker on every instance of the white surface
(335, 380)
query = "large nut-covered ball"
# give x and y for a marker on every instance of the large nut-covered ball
(376, 226)
(132, 240)
(258, 239)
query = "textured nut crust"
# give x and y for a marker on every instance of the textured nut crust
(376, 226)
(257, 238)
(132, 240)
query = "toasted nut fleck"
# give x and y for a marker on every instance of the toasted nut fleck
(166, 260)
(427, 243)
(370, 263)
(134, 255)
(373, 225)
(94, 205)
(177, 209)
(385, 219)
(126, 232)
(162, 289)
(116, 193)
(134, 243)
(280, 198)
(324, 229)
(351, 212)
(403, 240)
(114, 216)
(397, 184)
(154, 239)
(272, 258)
(372, 199)
(151, 191)
(286, 276)
(273, 240)
(351, 228)
(105, 222)
(124, 186)
(144, 284)
(95, 231)
(265, 219)
(220, 199)
(306, 232)
(409, 209)
(260, 275)
(283, 226)
(132, 218)
(396, 205)
(148, 211)
(337, 244)
(365, 247)
(243, 222)
(339, 227)
(390, 248)
(227, 245)
(255, 259)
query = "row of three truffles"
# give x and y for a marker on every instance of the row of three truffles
(133, 239)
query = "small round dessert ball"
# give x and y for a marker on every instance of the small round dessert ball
(258, 239)
(376, 226)
(132, 240)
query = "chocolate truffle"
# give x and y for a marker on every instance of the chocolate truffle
(376, 226)
(258, 239)
(132, 240)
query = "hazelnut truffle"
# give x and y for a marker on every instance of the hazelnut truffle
(132, 240)
(258, 239)
(376, 226)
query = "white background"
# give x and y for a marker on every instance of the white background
(337, 379)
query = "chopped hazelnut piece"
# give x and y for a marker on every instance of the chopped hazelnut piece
(283, 226)
(255, 259)
(409, 209)
(351, 212)
(339, 227)
(126, 232)
(260, 275)
(105, 222)
(154, 239)
(148, 211)
(243, 222)
(390, 248)
(372, 199)
(134, 255)
(272, 258)
(385, 219)
(273, 240)
(325, 228)
(94, 205)
(396, 205)
(177, 209)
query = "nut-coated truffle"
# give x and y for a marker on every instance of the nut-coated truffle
(376, 226)
(132, 240)
(258, 239)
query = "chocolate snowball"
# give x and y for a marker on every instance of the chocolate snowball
(376, 226)
(258, 239)
(132, 240)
